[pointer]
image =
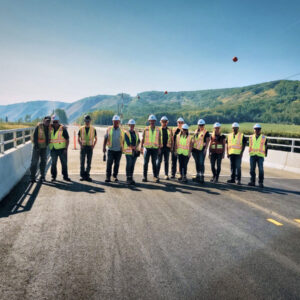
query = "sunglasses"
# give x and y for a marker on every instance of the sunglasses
(55, 122)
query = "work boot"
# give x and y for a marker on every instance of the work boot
(196, 178)
(179, 177)
(82, 179)
(145, 179)
(156, 179)
(212, 179)
(201, 179)
(115, 179)
(173, 176)
(67, 179)
(53, 179)
(32, 180)
(261, 185)
(231, 181)
(166, 177)
(132, 181)
(184, 179)
(238, 182)
(42, 179)
(107, 179)
(89, 179)
(251, 183)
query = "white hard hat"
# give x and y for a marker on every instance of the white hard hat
(217, 124)
(55, 118)
(185, 126)
(164, 118)
(257, 126)
(152, 118)
(235, 125)
(201, 122)
(131, 122)
(180, 120)
(116, 118)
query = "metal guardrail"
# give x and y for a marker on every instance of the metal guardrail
(14, 137)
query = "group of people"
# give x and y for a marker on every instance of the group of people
(157, 143)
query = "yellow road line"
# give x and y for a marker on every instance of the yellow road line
(297, 220)
(275, 222)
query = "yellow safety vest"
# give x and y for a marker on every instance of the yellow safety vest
(127, 149)
(151, 138)
(183, 144)
(110, 134)
(235, 144)
(169, 142)
(57, 141)
(257, 146)
(199, 139)
(87, 139)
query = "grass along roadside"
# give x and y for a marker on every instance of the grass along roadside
(12, 125)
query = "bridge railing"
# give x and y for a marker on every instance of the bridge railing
(12, 138)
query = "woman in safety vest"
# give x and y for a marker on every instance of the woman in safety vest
(183, 148)
(131, 150)
(216, 151)
(200, 145)
(258, 150)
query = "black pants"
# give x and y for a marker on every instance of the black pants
(153, 153)
(260, 163)
(235, 166)
(85, 152)
(183, 163)
(38, 155)
(113, 157)
(216, 157)
(130, 163)
(199, 161)
(62, 154)
(165, 153)
(174, 164)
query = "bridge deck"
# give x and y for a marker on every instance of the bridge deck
(83, 240)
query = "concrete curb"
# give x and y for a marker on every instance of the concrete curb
(13, 165)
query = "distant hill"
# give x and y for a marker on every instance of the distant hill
(273, 102)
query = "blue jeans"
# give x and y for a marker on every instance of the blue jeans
(113, 158)
(38, 155)
(147, 153)
(62, 155)
(165, 153)
(183, 163)
(260, 162)
(130, 163)
(199, 161)
(235, 166)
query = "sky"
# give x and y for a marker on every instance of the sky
(65, 50)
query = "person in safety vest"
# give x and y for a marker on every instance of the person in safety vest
(236, 143)
(216, 151)
(150, 146)
(113, 139)
(131, 150)
(183, 148)
(87, 139)
(176, 131)
(59, 143)
(258, 150)
(166, 146)
(40, 141)
(200, 145)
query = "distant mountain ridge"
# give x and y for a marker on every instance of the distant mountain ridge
(275, 101)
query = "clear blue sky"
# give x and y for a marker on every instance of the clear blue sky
(67, 50)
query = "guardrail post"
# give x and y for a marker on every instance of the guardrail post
(1, 143)
(293, 146)
(15, 139)
(23, 137)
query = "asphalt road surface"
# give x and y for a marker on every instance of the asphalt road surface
(82, 240)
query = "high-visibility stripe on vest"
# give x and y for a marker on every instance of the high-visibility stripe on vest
(183, 144)
(235, 143)
(199, 139)
(257, 146)
(215, 145)
(110, 134)
(151, 139)
(41, 136)
(57, 141)
(127, 149)
(169, 142)
(87, 139)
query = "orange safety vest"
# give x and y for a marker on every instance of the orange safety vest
(87, 139)
(215, 145)
(199, 139)
(149, 140)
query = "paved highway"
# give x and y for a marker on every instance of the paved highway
(170, 240)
